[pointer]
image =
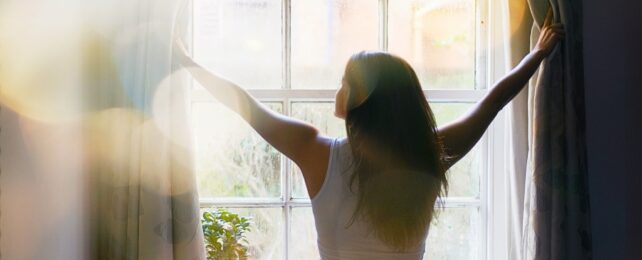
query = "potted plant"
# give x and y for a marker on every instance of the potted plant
(225, 235)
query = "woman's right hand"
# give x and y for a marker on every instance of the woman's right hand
(180, 53)
(549, 36)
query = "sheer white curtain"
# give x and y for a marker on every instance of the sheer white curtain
(41, 155)
(143, 186)
(519, 123)
(515, 27)
(94, 112)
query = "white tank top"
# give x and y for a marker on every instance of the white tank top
(333, 207)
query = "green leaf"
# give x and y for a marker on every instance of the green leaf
(224, 233)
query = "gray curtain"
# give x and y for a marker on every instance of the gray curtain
(559, 200)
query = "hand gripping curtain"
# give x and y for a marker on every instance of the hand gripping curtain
(143, 190)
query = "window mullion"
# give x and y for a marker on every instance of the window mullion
(383, 25)
(434, 95)
(240, 202)
(286, 183)
(287, 44)
(297, 203)
(481, 45)
(287, 214)
(482, 82)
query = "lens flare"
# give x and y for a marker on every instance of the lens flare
(169, 108)
(39, 73)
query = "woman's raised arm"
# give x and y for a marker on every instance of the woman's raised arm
(460, 136)
(296, 139)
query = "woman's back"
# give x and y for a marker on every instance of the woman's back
(333, 207)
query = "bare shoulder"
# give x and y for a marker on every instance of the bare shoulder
(315, 155)
(314, 164)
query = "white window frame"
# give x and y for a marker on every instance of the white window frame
(492, 199)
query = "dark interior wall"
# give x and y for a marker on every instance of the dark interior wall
(613, 74)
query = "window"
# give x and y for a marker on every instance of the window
(291, 55)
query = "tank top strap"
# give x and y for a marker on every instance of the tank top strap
(333, 163)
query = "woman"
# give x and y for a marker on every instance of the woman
(373, 193)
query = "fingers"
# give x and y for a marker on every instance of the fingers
(179, 43)
(556, 33)
(551, 33)
(178, 46)
(551, 36)
(557, 29)
(559, 34)
(180, 50)
(556, 26)
(549, 18)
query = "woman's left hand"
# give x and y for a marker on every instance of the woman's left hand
(549, 36)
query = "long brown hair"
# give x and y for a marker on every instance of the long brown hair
(398, 160)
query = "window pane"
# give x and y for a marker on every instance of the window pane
(265, 238)
(325, 34)
(437, 38)
(241, 40)
(448, 112)
(303, 236)
(321, 115)
(454, 235)
(232, 160)
(463, 177)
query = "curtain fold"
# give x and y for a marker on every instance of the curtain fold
(548, 165)
(518, 44)
(143, 187)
